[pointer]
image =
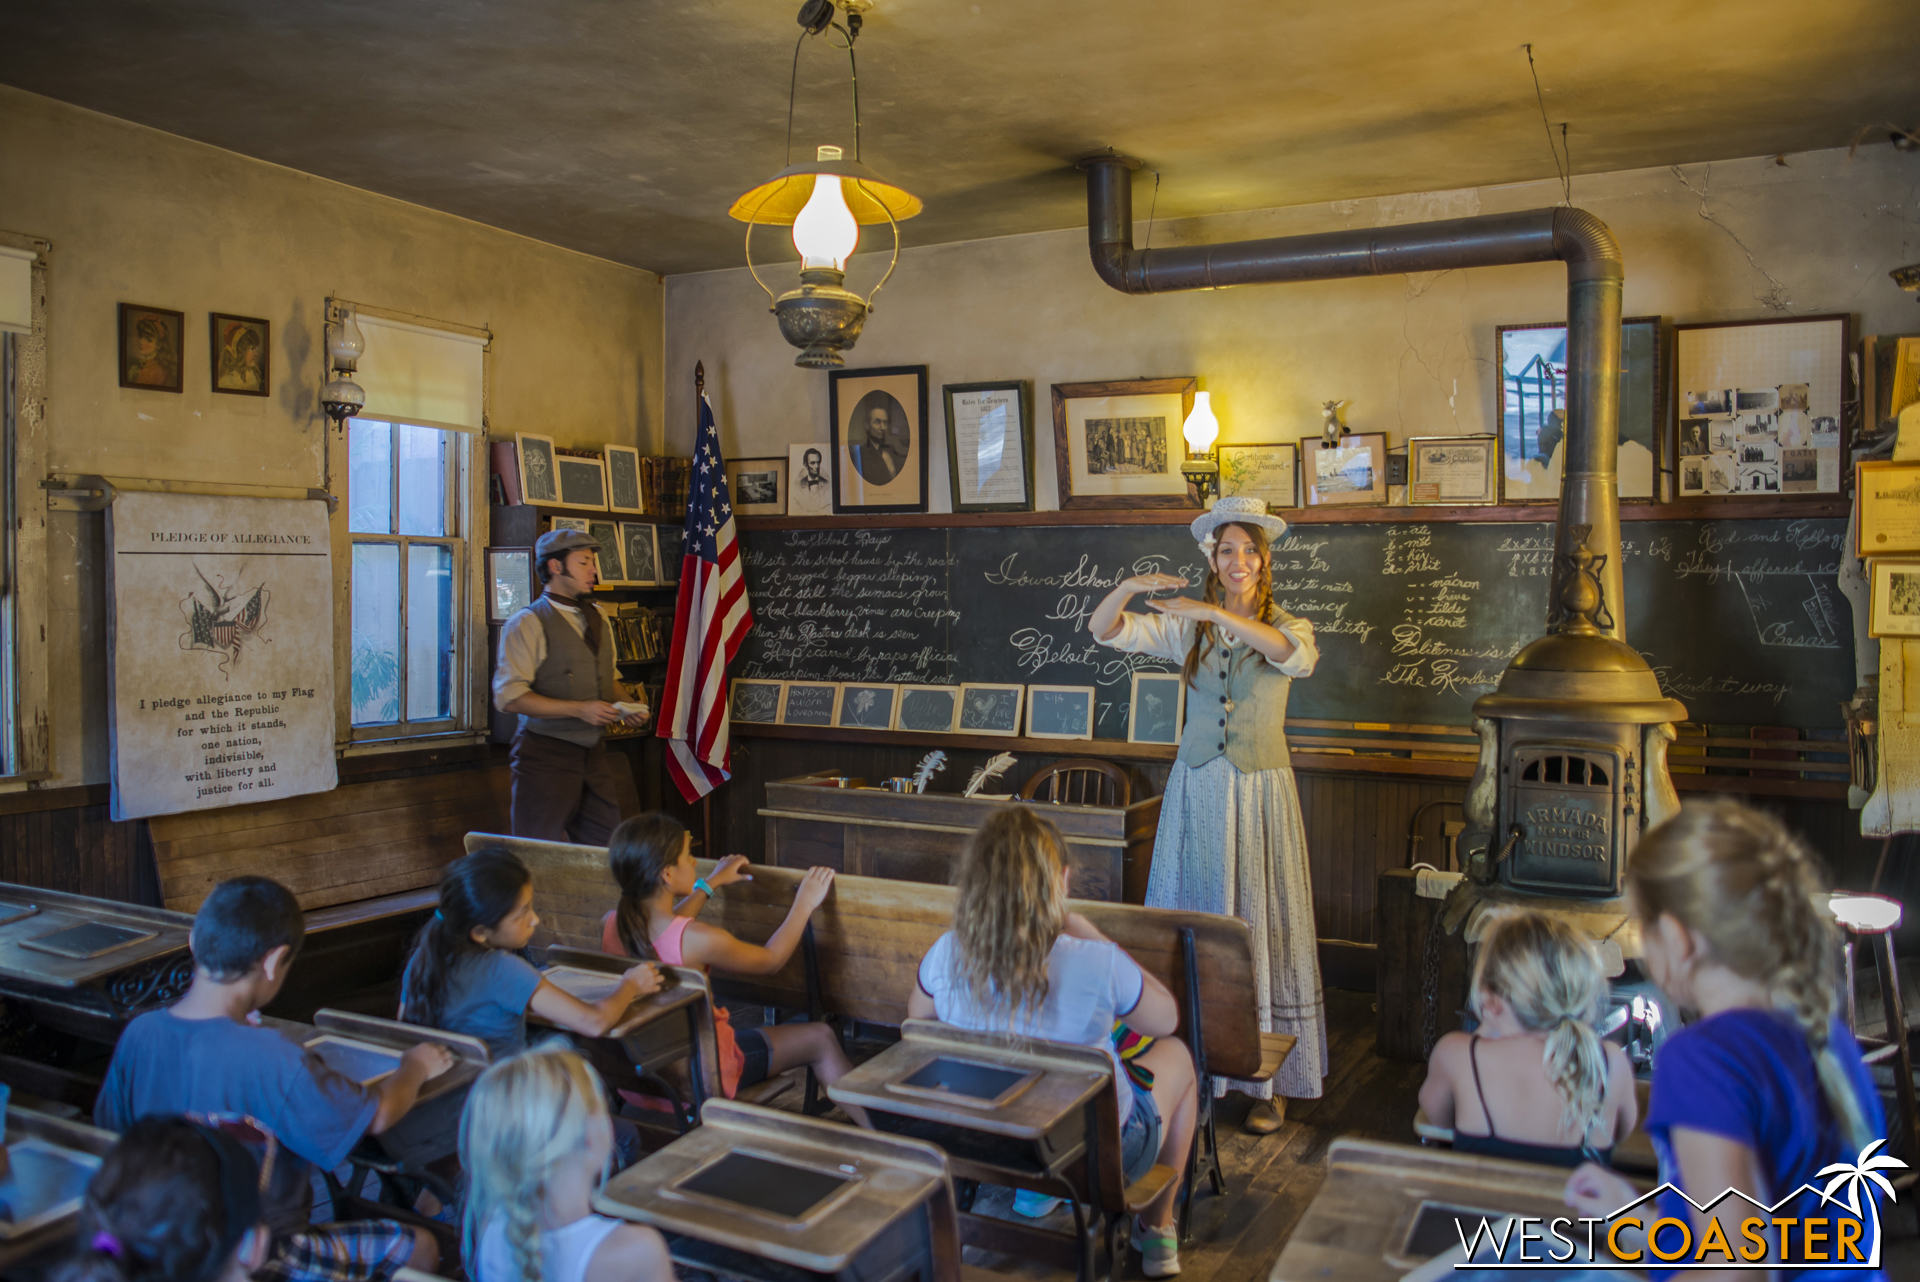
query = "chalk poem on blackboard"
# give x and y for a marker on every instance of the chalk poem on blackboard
(1442, 674)
(1410, 639)
(1682, 685)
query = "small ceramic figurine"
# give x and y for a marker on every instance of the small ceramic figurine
(1335, 426)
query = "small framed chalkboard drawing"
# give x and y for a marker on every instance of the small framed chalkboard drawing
(583, 482)
(623, 479)
(1159, 706)
(867, 706)
(613, 555)
(539, 483)
(643, 559)
(810, 703)
(757, 701)
(927, 709)
(987, 708)
(1060, 712)
(669, 546)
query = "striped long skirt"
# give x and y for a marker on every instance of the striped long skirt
(1233, 843)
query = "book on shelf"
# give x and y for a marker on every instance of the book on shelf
(638, 635)
(663, 485)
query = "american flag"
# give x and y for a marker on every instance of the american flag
(709, 620)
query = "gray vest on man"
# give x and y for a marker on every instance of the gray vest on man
(573, 672)
(1236, 708)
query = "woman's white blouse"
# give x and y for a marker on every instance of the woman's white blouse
(1170, 636)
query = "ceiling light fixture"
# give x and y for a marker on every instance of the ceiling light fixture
(826, 201)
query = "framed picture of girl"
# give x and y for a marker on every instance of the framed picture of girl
(238, 348)
(151, 341)
(879, 422)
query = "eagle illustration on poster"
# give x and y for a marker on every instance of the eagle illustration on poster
(224, 621)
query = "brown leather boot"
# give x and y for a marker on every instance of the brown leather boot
(1266, 1116)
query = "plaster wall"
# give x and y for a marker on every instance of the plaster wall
(1414, 355)
(140, 216)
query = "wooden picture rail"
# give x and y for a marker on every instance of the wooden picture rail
(1376, 748)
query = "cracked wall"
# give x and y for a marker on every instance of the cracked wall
(1734, 240)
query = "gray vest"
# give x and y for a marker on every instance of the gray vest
(571, 671)
(1236, 708)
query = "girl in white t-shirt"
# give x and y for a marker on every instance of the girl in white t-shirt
(1017, 961)
(535, 1141)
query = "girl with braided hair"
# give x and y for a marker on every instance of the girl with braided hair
(1765, 1086)
(1230, 837)
(1565, 1097)
(535, 1142)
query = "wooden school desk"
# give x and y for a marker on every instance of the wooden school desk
(47, 1151)
(1366, 1222)
(86, 966)
(756, 1193)
(659, 1029)
(1012, 1111)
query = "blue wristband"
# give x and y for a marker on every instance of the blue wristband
(700, 884)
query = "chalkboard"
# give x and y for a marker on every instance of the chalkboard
(1741, 620)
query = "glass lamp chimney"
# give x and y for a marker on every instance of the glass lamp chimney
(825, 232)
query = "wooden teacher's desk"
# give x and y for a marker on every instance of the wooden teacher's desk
(905, 836)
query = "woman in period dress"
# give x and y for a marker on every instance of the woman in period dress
(1230, 838)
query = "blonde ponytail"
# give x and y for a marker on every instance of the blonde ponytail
(1548, 975)
(1737, 878)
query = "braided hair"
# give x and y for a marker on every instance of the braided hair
(1214, 594)
(1737, 878)
(1547, 973)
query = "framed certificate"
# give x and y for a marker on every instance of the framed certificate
(1889, 497)
(1453, 470)
(1261, 471)
(990, 446)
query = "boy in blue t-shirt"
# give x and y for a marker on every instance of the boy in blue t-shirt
(204, 1056)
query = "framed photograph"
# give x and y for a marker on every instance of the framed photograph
(669, 548)
(241, 356)
(1158, 708)
(1765, 398)
(1533, 408)
(583, 482)
(927, 709)
(1692, 480)
(613, 552)
(758, 486)
(152, 340)
(1453, 470)
(990, 446)
(539, 482)
(1350, 474)
(1118, 445)
(987, 708)
(623, 479)
(1060, 712)
(809, 484)
(809, 703)
(1889, 501)
(511, 587)
(639, 553)
(1264, 471)
(1896, 597)
(867, 705)
(755, 701)
(568, 523)
(879, 452)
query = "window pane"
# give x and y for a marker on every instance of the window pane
(429, 632)
(369, 477)
(423, 480)
(376, 633)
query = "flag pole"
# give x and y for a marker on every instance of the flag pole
(706, 801)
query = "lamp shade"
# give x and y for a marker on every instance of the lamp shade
(1201, 429)
(782, 198)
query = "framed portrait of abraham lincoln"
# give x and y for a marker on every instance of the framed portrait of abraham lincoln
(879, 446)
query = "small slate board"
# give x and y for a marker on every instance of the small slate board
(88, 940)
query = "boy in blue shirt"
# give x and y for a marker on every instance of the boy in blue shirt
(204, 1056)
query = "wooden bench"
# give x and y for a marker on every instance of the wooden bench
(870, 934)
(364, 861)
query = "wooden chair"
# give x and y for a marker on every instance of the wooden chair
(1081, 781)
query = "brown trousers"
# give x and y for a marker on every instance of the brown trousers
(562, 791)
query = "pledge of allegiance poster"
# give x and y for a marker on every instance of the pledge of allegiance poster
(220, 651)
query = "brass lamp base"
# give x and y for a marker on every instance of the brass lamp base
(820, 318)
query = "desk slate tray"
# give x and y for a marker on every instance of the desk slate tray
(10, 913)
(755, 1184)
(46, 1182)
(88, 940)
(589, 986)
(362, 1062)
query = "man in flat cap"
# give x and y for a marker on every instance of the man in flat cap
(556, 671)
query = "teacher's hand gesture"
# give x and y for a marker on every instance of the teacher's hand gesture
(1188, 608)
(1153, 582)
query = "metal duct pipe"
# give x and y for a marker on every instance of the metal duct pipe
(1590, 485)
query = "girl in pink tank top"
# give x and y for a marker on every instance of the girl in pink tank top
(661, 891)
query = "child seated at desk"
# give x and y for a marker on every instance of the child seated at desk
(535, 1139)
(174, 1199)
(1565, 1097)
(468, 973)
(1767, 1086)
(661, 890)
(1017, 961)
(204, 1056)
